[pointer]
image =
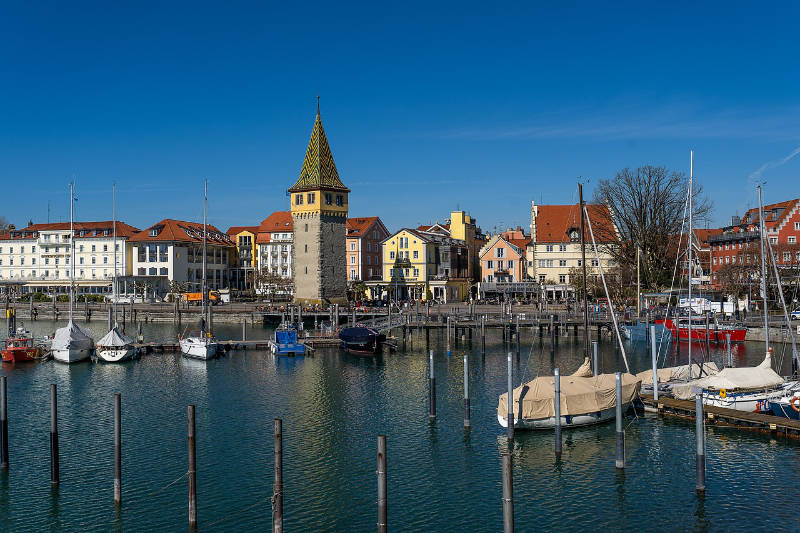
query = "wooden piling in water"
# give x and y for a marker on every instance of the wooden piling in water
(431, 390)
(557, 406)
(483, 335)
(701, 444)
(508, 494)
(510, 402)
(594, 351)
(728, 349)
(277, 481)
(381, 472)
(117, 449)
(620, 455)
(3, 423)
(466, 393)
(654, 358)
(192, 472)
(244, 330)
(54, 473)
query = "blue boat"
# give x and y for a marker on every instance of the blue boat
(284, 342)
(638, 332)
(783, 408)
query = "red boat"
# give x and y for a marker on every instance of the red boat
(20, 348)
(716, 332)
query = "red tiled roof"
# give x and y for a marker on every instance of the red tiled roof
(279, 221)
(235, 230)
(751, 216)
(181, 231)
(123, 230)
(358, 226)
(702, 235)
(520, 243)
(428, 228)
(553, 222)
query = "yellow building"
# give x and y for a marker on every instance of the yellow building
(463, 227)
(423, 266)
(245, 259)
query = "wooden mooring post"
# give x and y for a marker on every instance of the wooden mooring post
(508, 494)
(381, 472)
(277, 482)
(117, 449)
(192, 471)
(3, 423)
(54, 474)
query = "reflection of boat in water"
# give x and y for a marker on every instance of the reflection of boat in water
(284, 342)
(585, 400)
(361, 340)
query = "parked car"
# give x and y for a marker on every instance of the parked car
(796, 314)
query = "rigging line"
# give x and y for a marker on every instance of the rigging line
(605, 287)
(231, 515)
(170, 484)
(672, 282)
(783, 304)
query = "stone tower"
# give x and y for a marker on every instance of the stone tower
(319, 211)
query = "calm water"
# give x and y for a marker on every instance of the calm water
(441, 478)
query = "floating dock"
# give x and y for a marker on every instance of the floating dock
(720, 416)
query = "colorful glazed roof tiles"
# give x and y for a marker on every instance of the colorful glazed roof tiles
(319, 170)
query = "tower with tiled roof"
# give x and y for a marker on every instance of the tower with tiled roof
(319, 211)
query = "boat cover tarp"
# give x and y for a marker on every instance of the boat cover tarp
(678, 373)
(585, 370)
(359, 335)
(731, 379)
(579, 395)
(72, 336)
(115, 338)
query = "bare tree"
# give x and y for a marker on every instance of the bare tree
(4, 224)
(647, 205)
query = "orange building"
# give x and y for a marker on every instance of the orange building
(503, 258)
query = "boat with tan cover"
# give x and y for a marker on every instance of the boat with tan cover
(585, 400)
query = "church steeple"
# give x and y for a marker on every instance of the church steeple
(318, 170)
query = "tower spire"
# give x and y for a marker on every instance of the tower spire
(317, 105)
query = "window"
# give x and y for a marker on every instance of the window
(105, 260)
(305, 247)
(33, 260)
(595, 263)
(562, 262)
(21, 260)
(548, 248)
(151, 272)
(510, 263)
(416, 254)
(562, 247)
(352, 246)
(142, 271)
(489, 264)
(153, 232)
(416, 272)
(797, 226)
(340, 200)
(562, 278)
(727, 259)
(312, 198)
(541, 278)
(787, 256)
(352, 273)
(500, 265)
(33, 249)
(105, 247)
(22, 249)
(391, 255)
(792, 239)
(773, 240)
(369, 259)
(328, 198)
(163, 271)
(306, 228)
(500, 252)
(352, 260)
(715, 259)
(298, 200)
(403, 242)
(56, 260)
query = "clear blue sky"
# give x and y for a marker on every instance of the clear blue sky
(426, 108)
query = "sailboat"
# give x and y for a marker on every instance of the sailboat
(586, 398)
(200, 343)
(749, 389)
(72, 343)
(115, 346)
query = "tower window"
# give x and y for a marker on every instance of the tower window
(306, 270)
(340, 200)
(306, 228)
(298, 199)
(306, 248)
(328, 198)
(312, 198)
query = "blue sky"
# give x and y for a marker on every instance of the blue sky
(426, 108)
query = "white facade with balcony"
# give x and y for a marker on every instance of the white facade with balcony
(275, 256)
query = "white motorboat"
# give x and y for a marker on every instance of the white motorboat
(72, 343)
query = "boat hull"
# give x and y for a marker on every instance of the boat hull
(197, 348)
(715, 333)
(16, 355)
(116, 355)
(750, 402)
(71, 355)
(291, 350)
(567, 421)
(783, 410)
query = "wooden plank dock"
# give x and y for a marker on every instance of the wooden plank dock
(721, 416)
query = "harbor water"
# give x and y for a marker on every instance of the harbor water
(441, 477)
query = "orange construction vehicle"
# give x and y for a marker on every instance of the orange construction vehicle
(197, 297)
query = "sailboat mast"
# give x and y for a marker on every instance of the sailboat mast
(691, 265)
(761, 231)
(638, 284)
(203, 288)
(583, 262)
(71, 247)
(114, 283)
